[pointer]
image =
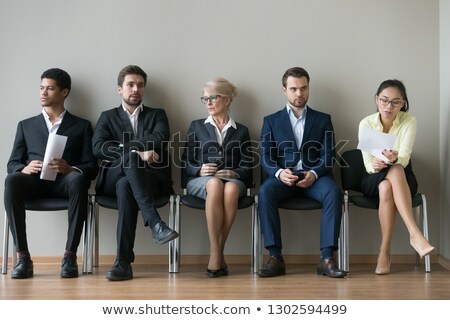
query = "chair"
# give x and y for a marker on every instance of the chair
(197, 203)
(110, 202)
(42, 204)
(294, 204)
(352, 171)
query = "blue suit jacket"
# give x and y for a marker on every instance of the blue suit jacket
(279, 150)
(202, 147)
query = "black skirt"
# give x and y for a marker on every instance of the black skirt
(370, 182)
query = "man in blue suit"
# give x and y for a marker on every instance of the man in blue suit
(297, 153)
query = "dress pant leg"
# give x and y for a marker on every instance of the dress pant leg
(270, 194)
(19, 187)
(326, 191)
(127, 220)
(75, 186)
(144, 185)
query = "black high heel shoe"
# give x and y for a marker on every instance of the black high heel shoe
(217, 273)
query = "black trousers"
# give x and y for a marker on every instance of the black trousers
(20, 187)
(135, 187)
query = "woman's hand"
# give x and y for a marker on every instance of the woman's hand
(378, 164)
(226, 174)
(391, 155)
(208, 169)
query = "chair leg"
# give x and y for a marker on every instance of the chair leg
(343, 238)
(257, 240)
(174, 224)
(88, 244)
(254, 253)
(5, 245)
(424, 215)
(94, 229)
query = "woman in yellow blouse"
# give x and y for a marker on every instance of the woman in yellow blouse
(393, 181)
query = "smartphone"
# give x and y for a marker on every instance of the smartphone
(299, 174)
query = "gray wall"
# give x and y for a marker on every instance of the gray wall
(444, 222)
(348, 47)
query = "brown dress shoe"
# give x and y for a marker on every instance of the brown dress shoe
(327, 267)
(273, 268)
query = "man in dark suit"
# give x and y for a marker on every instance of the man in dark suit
(75, 170)
(297, 153)
(131, 141)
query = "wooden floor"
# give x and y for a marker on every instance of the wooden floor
(300, 282)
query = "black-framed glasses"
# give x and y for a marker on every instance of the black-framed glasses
(213, 98)
(395, 102)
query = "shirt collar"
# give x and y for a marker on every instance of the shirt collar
(137, 110)
(302, 115)
(230, 122)
(46, 116)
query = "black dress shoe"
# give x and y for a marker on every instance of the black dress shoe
(69, 267)
(23, 268)
(217, 273)
(273, 268)
(120, 271)
(328, 267)
(162, 233)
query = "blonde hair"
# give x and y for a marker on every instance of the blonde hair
(222, 87)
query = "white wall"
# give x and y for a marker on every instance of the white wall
(348, 46)
(444, 28)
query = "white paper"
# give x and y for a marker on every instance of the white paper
(55, 149)
(374, 142)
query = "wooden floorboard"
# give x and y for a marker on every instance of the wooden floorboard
(155, 283)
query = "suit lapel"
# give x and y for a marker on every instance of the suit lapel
(211, 132)
(126, 125)
(66, 123)
(285, 126)
(309, 122)
(41, 125)
(230, 133)
(140, 128)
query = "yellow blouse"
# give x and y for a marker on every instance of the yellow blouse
(404, 126)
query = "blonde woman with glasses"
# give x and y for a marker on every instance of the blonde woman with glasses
(218, 167)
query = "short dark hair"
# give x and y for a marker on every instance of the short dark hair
(396, 84)
(130, 69)
(295, 72)
(61, 77)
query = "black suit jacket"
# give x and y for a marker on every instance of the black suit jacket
(279, 150)
(31, 141)
(202, 147)
(113, 137)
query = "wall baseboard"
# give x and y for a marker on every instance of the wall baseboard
(246, 259)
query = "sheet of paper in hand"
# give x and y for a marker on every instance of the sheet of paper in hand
(55, 149)
(374, 142)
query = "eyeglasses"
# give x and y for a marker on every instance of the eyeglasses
(205, 99)
(395, 103)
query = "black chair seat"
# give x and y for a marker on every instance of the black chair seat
(197, 203)
(110, 202)
(47, 204)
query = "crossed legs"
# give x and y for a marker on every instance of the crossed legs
(395, 196)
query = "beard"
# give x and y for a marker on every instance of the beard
(133, 102)
(298, 103)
